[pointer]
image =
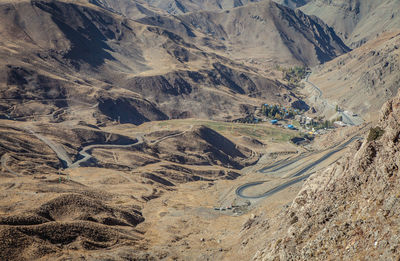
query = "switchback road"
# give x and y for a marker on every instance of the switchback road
(298, 176)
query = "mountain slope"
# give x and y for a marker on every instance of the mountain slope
(351, 210)
(277, 33)
(364, 79)
(75, 56)
(293, 3)
(133, 9)
(359, 20)
(185, 6)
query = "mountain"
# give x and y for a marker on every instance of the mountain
(356, 21)
(132, 130)
(140, 8)
(351, 210)
(293, 3)
(277, 34)
(68, 56)
(185, 6)
(224, 32)
(364, 79)
(133, 9)
(72, 55)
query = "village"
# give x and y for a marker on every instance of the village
(293, 119)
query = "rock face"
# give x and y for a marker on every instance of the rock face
(351, 210)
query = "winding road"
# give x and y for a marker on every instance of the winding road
(84, 153)
(298, 176)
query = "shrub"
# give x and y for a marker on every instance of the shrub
(375, 133)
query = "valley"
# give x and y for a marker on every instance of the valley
(198, 130)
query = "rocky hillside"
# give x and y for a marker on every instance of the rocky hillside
(293, 3)
(64, 57)
(61, 57)
(132, 9)
(51, 210)
(351, 210)
(185, 6)
(362, 80)
(277, 34)
(359, 20)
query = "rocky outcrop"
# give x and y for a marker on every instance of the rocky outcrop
(351, 210)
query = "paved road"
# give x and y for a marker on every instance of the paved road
(85, 151)
(239, 191)
(57, 148)
(313, 85)
(281, 164)
(63, 155)
(348, 119)
(298, 176)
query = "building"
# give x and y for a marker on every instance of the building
(339, 124)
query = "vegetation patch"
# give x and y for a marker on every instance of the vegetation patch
(293, 75)
(375, 133)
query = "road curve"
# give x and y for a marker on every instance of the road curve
(281, 164)
(239, 190)
(313, 85)
(298, 176)
(57, 148)
(85, 151)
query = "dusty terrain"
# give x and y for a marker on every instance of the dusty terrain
(62, 56)
(275, 29)
(360, 81)
(117, 139)
(357, 21)
(348, 211)
(98, 203)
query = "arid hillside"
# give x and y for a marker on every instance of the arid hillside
(349, 211)
(293, 3)
(278, 34)
(362, 80)
(79, 191)
(181, 130)
(132, 9)
(185, 6)
(357, 21)
(71, 56)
